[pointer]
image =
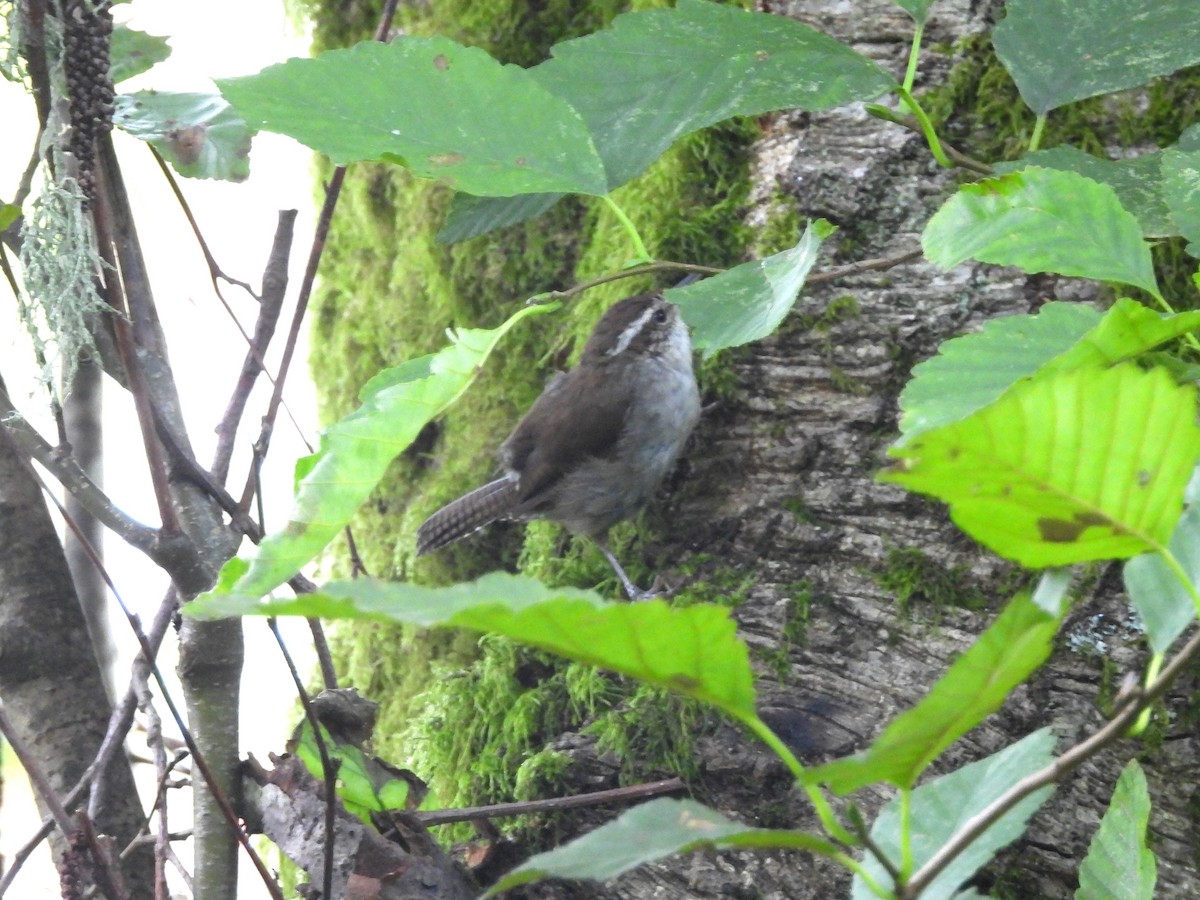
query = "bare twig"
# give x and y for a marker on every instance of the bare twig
(553, 804)
(1054, 772)
(274, 288)
(661, 265)
(863, 265)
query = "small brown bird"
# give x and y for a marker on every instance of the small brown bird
(600, 438)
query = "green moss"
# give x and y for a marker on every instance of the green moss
(912, 575)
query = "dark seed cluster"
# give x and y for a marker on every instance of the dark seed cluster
(87, 29)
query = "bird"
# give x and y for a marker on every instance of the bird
(598, 441)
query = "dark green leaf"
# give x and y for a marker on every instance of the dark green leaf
(1138, 182)
(445, 111)
(749, 301)
(472, 216)
(1059, 51)
(134, 52)
(1181, 186)
(1165, 605)
(356, 451)
(941, 807)
(693, 650)
(1042, 220)
(1070, 467)
(659, 74)
(1119, 865)
(646, 833)
(1016, 644)
(197, 133)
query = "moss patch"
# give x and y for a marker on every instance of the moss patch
(912, 575)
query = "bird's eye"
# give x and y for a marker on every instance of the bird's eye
(660, 315)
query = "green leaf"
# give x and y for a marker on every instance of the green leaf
(748, 302)
(659, 74)
(1181, 186)
(1119, 865)
(472, 216)
(1165, 605)
(135, 52)
(9, 213)
(1059, 51)
(1042, 220)
(918, 9)
(941, 807)
(972, 371)
(656, 75)
(199, 134)
(356, 451)
(1138, 182)
(693, 650)
(365, 783)
(443, 110)
(646, 833)
(1015, 646)
(1076, 466)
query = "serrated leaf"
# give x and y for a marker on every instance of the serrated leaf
(1165, 605)
(135, 52)
(356, 451)
(1119, 865)
(646, 833)
(1015, 646)
(748, 302)
(1042, 220)
(971, 371)
(1138, 182)
(693, 650)
(656, 75)
(445, 111)
(1059, 51)
(199, 134)
(1181, 187)
(1076, 466)
(941, 807)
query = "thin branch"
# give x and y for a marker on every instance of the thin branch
(1054, 772)
(275, 280)
(37, 778)
(214, 270)
(661, 265)
(554, 804)
(863, 265)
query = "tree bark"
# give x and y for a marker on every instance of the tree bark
(50, 682)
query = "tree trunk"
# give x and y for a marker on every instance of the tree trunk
(50, 682)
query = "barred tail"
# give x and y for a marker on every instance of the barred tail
(466, 514)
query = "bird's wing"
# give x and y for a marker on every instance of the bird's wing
(589, 415)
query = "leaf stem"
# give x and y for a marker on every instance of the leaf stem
(1178, 571)
(832, 826)
(914, 51)
(1035, 139)
(927, 129)
(642, 255)
(906, 855)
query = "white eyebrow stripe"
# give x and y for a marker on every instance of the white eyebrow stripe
(631, 331)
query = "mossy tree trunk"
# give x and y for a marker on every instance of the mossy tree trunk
(853, 595)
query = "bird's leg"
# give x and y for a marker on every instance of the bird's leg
(632, 590)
